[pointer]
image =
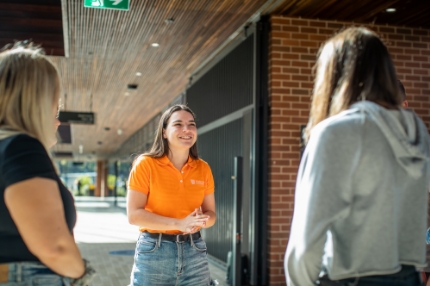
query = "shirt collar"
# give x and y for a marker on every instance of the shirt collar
(165, 161)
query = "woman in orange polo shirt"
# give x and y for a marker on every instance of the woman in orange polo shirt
(170, 198)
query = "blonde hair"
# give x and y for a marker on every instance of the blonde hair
(29, 88)
(354, 65)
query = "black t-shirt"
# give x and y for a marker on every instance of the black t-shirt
(23, 157)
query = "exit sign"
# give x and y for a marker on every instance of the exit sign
(108, 4)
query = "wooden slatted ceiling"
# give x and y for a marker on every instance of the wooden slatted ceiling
(108, 47)
(38, 20)
(412, 13)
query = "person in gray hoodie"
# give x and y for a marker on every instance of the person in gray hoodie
(361, 193)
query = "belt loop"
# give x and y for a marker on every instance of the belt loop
(19, 272)
(191, 240)
(159, 239)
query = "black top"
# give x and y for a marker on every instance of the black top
(23, 157)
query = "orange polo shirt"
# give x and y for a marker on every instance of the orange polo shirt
(171, 193)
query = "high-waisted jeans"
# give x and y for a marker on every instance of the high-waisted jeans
(30, 274)
(168, 263)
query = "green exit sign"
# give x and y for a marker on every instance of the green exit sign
(108, 4)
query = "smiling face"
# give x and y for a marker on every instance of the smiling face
(181, 131)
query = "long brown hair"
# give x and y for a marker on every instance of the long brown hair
(354, 65)
(160, 147)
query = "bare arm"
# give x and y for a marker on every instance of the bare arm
(137, 215)
(208, 208)
(37, 210)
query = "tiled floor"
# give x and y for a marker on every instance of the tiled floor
(106, 239)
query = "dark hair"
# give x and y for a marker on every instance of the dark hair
(353, 65)
(160, 147)
(402, 89)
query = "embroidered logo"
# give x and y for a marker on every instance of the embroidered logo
(195, 182)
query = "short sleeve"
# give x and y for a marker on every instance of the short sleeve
(24, 158)
(139, 179)
(210, 184)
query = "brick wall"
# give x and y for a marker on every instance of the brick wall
(293, 47)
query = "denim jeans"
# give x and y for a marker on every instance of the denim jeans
(408, 276)
(30, 274)
(169, 263)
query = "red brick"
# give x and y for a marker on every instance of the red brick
(422, 72)
(412, 38)
(336, 26)
(317, 24)
(308, 30)
(280, 20)
(291, 42)
(326, 31)
(281, 35)
(404, 31)
(295, 22)
(300, 36)
(299, 50)
(290, 29)
(280, 49)
(420, 32)
(421, 59)
(413, 65)
(396, 37)
(299, 64)
(290, 56)
(404, 44)
(386, 30)
(420, 45)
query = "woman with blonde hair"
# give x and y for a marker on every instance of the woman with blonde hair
(361, 193)
(37, 212)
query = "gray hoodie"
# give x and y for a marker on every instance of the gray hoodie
(361, 196)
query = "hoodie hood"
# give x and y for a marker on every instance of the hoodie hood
(406, 133)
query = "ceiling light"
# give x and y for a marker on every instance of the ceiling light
(81, 149)
(138, 74)
(127, 94)
(390, 10)
(119, 131)
(155, 45)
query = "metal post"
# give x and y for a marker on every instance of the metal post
(237, 222)
(115, 202)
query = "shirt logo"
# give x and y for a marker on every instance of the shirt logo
(195, 182)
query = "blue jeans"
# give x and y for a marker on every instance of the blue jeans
(30, 274)
(169, 263)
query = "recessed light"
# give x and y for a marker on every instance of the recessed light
(155, 45)
(138, 74)
(119, 131)
(390, 10)
(127, 94)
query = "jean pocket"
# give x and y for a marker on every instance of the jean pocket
(46, 280)
(199, 245)
(146, 246)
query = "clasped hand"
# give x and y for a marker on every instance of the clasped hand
(193, 221)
